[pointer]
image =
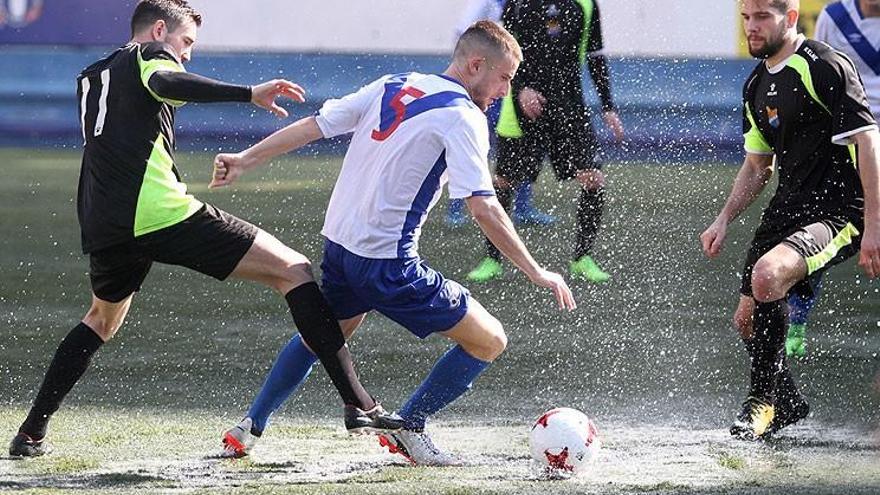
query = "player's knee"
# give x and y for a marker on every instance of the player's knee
(502, 183)
(103, 324)
(742, 321)
(766, 281)
(496, 342)
(294, 275)
(591, 179)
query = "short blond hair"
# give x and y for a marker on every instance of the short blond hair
(487, 36)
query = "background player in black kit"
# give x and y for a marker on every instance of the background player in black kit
(545, 115)
(805, 112)
(134, 210)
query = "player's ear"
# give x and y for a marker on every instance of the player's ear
(475, 64)
(791, 18)
(159, 30)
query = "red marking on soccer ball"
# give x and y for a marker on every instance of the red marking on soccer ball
(543, 419)
(559, 461)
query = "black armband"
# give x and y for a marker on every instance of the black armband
(183, 86)
(599, 72)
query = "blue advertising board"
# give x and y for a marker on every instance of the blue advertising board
(65, 22)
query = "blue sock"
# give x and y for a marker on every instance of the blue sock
(799, 307)
(291, 368)
(451, 377)
(456, 206)
(523, 202)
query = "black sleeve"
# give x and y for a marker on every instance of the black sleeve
(510, 19)
(595, 42)
(598, 66)
(183, 86)
(840, 89)
(178, 85)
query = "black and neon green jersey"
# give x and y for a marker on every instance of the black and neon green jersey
(804, 111)
(556, 37)
(129, 185)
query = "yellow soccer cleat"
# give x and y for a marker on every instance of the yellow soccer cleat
(754, 420)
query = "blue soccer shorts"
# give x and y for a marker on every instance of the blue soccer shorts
(406, 290)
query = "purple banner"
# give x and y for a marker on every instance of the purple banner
(65, 22)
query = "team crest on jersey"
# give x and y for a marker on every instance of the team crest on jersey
(553, 25)
(772, 91)
(773, 117)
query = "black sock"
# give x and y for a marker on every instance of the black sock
(589, 217)
(321, 332)
(71, 360)
(768, 352)
(787, 392)
(505, 197)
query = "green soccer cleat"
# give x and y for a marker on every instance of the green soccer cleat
(794, 341)
(488, 269)
(587, 269)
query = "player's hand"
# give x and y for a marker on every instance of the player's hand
(869, 253)
(532, 103)
(612, 121)
(556, 283)
(228, 167)
(263, 95)
(713, 237)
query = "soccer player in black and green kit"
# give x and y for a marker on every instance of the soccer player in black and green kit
(134, 210)
(805, 114)
(545, 115)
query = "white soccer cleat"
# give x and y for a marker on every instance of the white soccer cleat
(418, 448)
(238, 441)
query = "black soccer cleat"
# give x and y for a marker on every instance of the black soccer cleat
(25, 446)
(788, 412)
(374, 421)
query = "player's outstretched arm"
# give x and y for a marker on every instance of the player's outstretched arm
(494, 222)
(750, 181)
(230, 166)
(178, 86)
(868, 144)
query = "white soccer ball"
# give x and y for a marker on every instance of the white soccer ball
(564, 440)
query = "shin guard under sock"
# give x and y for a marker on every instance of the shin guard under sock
(589, 217)
(71, 361)
(320, 330)
(449, 379)
(293, 365)
(768, 352)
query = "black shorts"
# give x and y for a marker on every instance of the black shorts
(822, 245)
(210, 241)
(564, 132)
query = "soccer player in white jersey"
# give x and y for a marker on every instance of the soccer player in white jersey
(412, 133)
(852, 27)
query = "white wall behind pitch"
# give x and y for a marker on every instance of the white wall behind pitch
(667, 28)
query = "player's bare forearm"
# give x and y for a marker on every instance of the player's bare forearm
(494, 222)
(292, 137)
(869, 172)
(868, 144)
(751, 179)
(228, 167)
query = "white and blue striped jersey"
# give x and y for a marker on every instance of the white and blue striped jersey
(843, 26)
(412, 133)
